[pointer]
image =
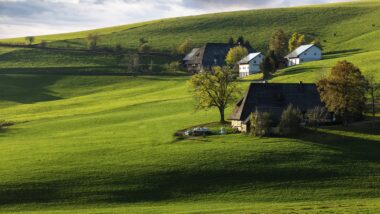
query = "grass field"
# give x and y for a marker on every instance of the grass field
(104, 143)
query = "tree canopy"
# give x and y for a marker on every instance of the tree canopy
(279, 43)
(235, 55)
(343, 91)
(185, 47)
(215, 89)
(296, 40)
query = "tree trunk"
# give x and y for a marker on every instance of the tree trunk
(221, 111)
(373, 110)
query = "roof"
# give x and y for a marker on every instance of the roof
(300, 50)
(190, 55)
(248, 58)
(275, 97)
(210, 54)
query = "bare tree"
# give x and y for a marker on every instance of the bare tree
(373, 93)
(316, 115)
(92, 41)
(29, 40)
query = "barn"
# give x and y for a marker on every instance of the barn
(273, 98)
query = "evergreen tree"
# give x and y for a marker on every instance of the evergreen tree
(278, 43)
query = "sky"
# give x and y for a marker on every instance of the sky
(20, 18)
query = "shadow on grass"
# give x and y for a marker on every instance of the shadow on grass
(159, 184)
(339, 54)
(351, 148)
(27, 89)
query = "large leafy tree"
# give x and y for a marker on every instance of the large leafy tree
(279, 43)
(343, 91)
(296, 40)
(235, 55)
(215, 89)
(92, 41)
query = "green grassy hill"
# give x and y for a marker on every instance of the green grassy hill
(104, 143)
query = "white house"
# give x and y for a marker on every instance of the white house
(250, 64)
(304, 53)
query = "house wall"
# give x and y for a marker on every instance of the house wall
(251, 68)
(244, 70)
(254, 64)
(312, 54)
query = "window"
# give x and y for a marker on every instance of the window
(315, 54)
(254, 62)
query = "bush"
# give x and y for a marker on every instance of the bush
(145, 48)
(290, 122)
(260, 124)
(174, 66)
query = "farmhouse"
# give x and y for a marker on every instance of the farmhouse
(273, 98)
(211, 54)
(304, 53)
(250, 64)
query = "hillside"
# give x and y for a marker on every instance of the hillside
(104, 143)
(346, 30)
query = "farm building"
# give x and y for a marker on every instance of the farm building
(211, 54)
(304, 53)
(250, 64)
(273, 98)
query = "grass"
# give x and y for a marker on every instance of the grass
(105, 144)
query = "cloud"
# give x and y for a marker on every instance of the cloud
(37, 17)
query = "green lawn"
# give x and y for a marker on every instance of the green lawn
(105, 144)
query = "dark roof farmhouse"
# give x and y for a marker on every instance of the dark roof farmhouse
(211, 54)
(274, 98)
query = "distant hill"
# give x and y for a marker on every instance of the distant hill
(345, 29)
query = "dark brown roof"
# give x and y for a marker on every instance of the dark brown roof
(275, 97)
(211, 54)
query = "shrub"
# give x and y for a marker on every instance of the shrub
(290, 122)
(260, 124)
(145, 48)
(174, 66)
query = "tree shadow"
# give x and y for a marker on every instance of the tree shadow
(351, 148)
(27, 89)
(339, 54)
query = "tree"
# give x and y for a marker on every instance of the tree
(248, 45)
(185, 47)
(260, 123)
(142, 41)
(343, 91)
(316, 115)
(29, 40)
(215, 89)
(43, 44)
(145, 48)
(373, 93)
(175, 66)
(267, 66)
(235, 55)
(240, 40)
(231, 41)
(278, 43)
(92, 41)
(296, 40)
(317, 43)
(290, 122)
(274, 58)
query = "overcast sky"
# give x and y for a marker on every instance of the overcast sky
(38, 17)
